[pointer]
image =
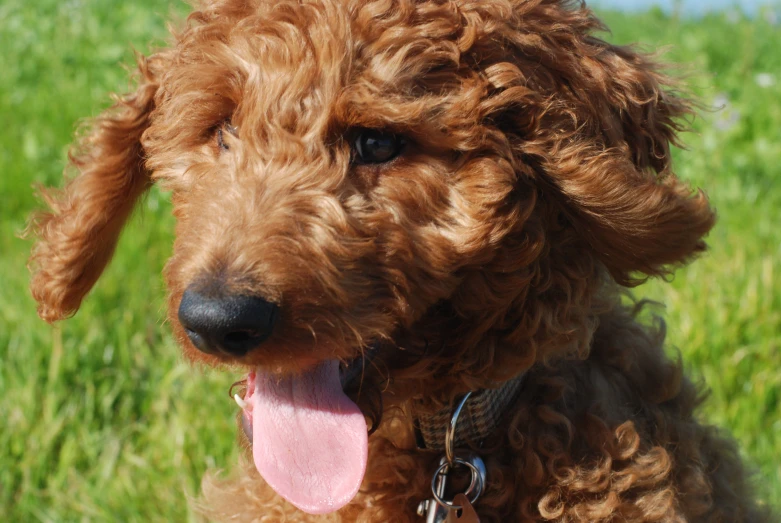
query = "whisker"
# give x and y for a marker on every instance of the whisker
(235, 383)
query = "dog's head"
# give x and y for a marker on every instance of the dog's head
(445, 183)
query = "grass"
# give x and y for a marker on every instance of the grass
(103, 421)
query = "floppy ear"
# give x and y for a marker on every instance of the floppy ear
(615, 173)
(595, 125)
(592, 124)
(77, 236)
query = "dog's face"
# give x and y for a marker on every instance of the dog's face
(350, 174)
(343, 177)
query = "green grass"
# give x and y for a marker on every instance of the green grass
(103, 421)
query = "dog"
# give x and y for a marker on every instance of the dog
(413, 223)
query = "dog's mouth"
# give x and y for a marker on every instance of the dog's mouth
(309, 439)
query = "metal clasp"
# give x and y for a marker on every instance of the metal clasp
(437, 508)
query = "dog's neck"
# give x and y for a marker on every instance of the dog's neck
(452, 351)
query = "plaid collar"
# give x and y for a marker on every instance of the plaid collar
(479, 417)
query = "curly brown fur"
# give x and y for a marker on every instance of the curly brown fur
(536, 181)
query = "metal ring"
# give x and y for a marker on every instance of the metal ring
(450, 433)
(476, 484)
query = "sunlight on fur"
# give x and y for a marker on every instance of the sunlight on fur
(532, 186)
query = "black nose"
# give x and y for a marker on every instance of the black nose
(232, 324)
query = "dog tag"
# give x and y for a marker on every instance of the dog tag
(468, 514)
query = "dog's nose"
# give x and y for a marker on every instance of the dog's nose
(232, 324)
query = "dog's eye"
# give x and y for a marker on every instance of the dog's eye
(373, 146)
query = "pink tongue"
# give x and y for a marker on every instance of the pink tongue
(309, 440)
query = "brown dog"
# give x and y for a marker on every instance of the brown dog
(383, 205)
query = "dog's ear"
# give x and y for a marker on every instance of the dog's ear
(594, 123)
(614, 172)
(77, 236)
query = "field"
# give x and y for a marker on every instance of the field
(103, 421)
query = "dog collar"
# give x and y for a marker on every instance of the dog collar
(480, 416)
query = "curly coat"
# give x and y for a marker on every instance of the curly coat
(535, 185)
